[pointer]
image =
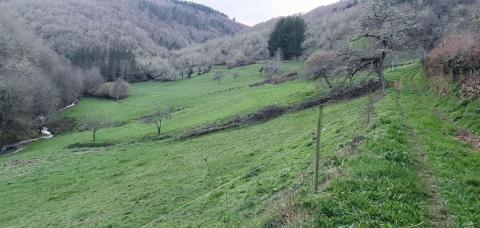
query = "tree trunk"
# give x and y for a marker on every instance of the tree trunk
(328, 83)
(94, 133)
(159, 127)
(381, 76)
(379, 68)
(317, 154)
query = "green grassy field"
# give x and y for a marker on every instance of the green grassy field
(255, 176)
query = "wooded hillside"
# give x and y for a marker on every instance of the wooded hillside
(330, 25)
(148, 29)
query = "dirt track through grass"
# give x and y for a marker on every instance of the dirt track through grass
(452, 164)
(438, 213)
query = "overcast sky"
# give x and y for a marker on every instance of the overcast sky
(252, 12)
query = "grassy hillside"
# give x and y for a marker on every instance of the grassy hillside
(405, 168)
(411, 170)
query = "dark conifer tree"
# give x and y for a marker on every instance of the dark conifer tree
(288, 36)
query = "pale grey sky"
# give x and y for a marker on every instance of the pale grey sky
(252, 12)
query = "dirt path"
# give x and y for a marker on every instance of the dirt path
(437, 211)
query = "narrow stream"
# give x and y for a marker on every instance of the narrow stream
(46, 134)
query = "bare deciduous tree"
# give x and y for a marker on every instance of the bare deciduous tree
(236, 75)
(95, 121)
(383, 28)
(218, 76)
(322, 65)
(158, 116)
(273, 67)
(120, 89)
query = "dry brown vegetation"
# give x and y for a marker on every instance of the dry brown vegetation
(458, 60)
(115, 90)
(468, 137)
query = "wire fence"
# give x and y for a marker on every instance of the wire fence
(268, 160)
(271, 160)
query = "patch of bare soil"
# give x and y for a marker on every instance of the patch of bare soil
(22, 162)
(468, 137)
(277, 81)
(462, 134)
(156, 138)
(226, 90)
(285, 209)
(398, 85)
(350, 148)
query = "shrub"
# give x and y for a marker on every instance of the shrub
(453, 51)
(114, 90)
(322, 65)
(273, 67)
(458, 60)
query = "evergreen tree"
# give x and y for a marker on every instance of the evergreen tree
(113, 63)
(288, 36)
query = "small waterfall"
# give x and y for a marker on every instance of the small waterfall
(46, 134)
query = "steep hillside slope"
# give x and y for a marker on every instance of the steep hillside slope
(332, 24)
(148, 29)
(34, 81)
(257, 176)
(139, 25)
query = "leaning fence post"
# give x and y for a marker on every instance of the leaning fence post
(317, 154)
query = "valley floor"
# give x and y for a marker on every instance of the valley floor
(406, 167)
